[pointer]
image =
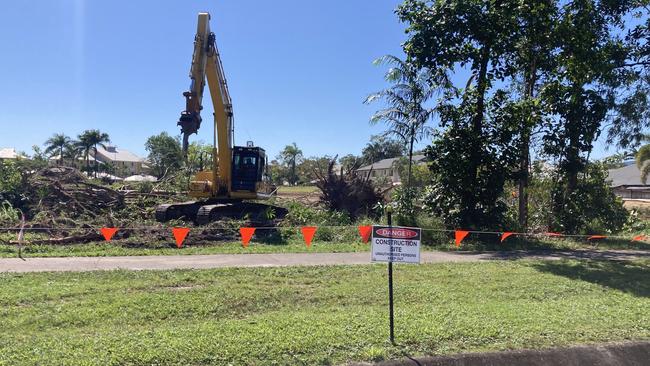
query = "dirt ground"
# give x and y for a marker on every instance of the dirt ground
(303, 196)
(642, 206)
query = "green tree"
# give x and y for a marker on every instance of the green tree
(350, 163)
(405, 113)
(72, 152)
(199, 156)
(165, 154)
(89, 140)
(310, 169)
(477, 35)
(381, 147)
(631, 87)
(291, 156)
(279, 173)
(11, 183)
(533, 57)
(57, 144)
(580, 94)
(642, 158)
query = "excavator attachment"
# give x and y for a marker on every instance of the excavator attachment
(190, 123)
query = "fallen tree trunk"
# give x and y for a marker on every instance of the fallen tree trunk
(73, 239)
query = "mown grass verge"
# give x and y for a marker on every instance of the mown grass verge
(296, 245)
(117, 248)
(316, 315)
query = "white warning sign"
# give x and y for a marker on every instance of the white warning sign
(396, 244)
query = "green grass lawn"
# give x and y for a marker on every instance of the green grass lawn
(105, 249)
(316, 315)
(297, 189)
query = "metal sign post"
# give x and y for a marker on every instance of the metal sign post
(394, 244)
(389, 214)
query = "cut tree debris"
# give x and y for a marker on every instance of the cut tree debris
(64, 190)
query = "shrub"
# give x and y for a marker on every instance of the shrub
(592, 207)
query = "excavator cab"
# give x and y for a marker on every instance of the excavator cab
(248, 168)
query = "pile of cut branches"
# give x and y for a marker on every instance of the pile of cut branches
(64, 191)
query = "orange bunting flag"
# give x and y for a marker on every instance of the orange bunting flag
(460, 235)
(553, 234)
(639, 238)
(308, 234)
(180, 233)
(246, 235)
(108, 232)
(596, 237)
(505, 236)
(365, 232)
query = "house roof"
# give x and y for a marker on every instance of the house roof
(112, 153)
(628, 175)
(388, 163)
(8, 153)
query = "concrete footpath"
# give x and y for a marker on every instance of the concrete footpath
(80, 264)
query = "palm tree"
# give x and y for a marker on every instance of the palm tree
(290, 155)
(405, 113)
(57, 143)
(88, 140)
(72, 152)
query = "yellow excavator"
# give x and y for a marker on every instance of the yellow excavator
(238, 172)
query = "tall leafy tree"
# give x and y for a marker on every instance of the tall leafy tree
(350, 163)
(199, 156)
(581, 96)
(89, 140)
(476, 35)
(72, 152)
(311, 168)
(535, 44)
(642, 158)
(405, 112)
(631, 86)
(291, 156)
(57, 144)
(165, 154)
(381, 147)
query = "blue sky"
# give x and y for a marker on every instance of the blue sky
(298, 70)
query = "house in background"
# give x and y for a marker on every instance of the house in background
(626, 182)
(123, 161)
(8, 153)
(386, 169)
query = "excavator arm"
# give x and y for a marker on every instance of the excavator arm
(206, 64)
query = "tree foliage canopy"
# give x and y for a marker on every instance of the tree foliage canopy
(165, 154)
(545, 75)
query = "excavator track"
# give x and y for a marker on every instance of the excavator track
(255, 212)
(206, 212)
(173, 211)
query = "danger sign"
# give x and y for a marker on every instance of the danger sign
(396, 244)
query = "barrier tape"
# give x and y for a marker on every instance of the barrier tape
(308, 233)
